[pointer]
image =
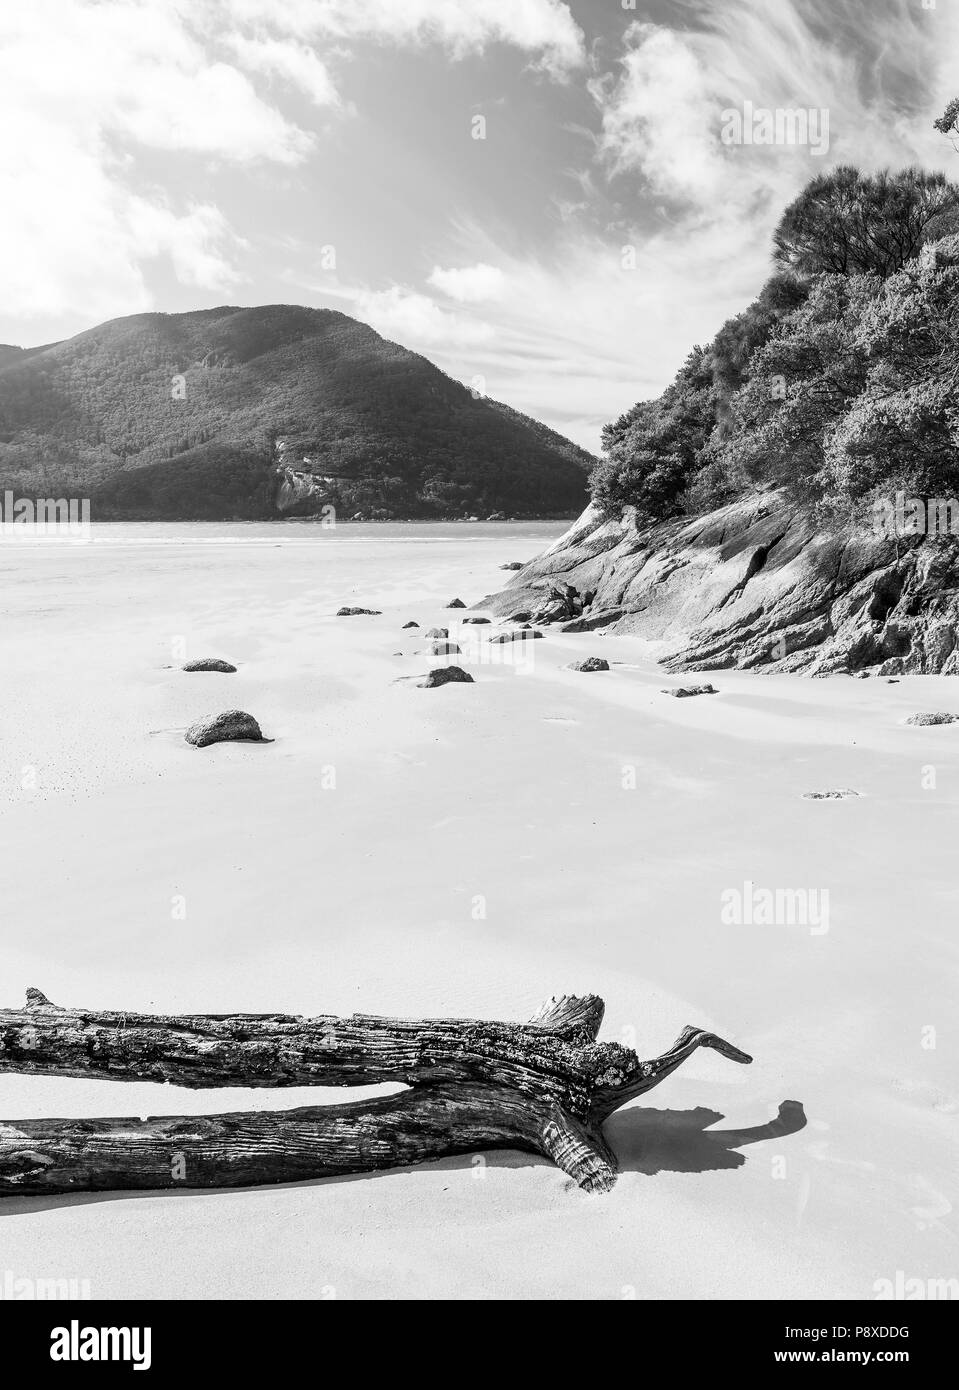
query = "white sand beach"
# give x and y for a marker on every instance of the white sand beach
(471, 850)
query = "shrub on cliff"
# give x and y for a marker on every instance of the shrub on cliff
(838, 382)
(868, 378)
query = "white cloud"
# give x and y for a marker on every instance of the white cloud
(472, 284)
(298, 64)
(83, 88)
(660, 116)
(414, 320)
(545, 29)
(193, 241)
(88, 86)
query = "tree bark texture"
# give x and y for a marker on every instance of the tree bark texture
(546, 1087)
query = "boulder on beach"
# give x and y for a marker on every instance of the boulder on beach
(521, 617)
(442, 675)
(438, 632)
(357, 612)
(589, 663)
(512, 565)
(456, 603)
(232, 726)
(445, 649)
(924, 719)
(475, 620)
(683, 692)
(409, 624)
(521, 634)
(210, 663)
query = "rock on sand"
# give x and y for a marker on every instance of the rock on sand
(209, 663)
(443, 675)
(232, 726)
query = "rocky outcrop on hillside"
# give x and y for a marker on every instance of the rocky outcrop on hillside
(299, 493)
(758, 584)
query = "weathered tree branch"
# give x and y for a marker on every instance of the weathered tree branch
(545, 1086)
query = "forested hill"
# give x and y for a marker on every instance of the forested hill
(249, 413)
(840, 383)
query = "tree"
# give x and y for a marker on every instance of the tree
(801, 382)
(849, 223)
(902, 430)
(653, 451)
(948, 122)
(869, 398)
(740, 337)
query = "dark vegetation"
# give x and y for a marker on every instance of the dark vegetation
(100, 415)
(840, 382)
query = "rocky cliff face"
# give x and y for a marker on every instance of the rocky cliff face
(299, 493)
(757, 584)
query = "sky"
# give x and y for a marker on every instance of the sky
(552, 201)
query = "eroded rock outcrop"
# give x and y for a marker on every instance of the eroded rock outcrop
(756, 584)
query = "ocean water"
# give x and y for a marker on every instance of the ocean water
(310, 532)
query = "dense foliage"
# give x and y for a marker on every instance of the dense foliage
(841, 382)
(850, 223)
(102, 415)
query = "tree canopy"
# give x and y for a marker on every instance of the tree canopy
(850, 223)
(839, 382)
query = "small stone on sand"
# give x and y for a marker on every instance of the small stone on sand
(232, 726)
(443, 675)
(924, 719)
(839, 794)
(209, 663)
(683, 692)
(357, 612)
(589, 663)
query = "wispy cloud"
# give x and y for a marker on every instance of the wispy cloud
(544, 29)
(293, 62)
(470, 284)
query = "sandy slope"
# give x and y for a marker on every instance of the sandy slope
(364, 896)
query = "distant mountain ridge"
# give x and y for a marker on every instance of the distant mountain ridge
(260, 412)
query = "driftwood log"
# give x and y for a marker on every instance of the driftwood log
(546, 1086)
